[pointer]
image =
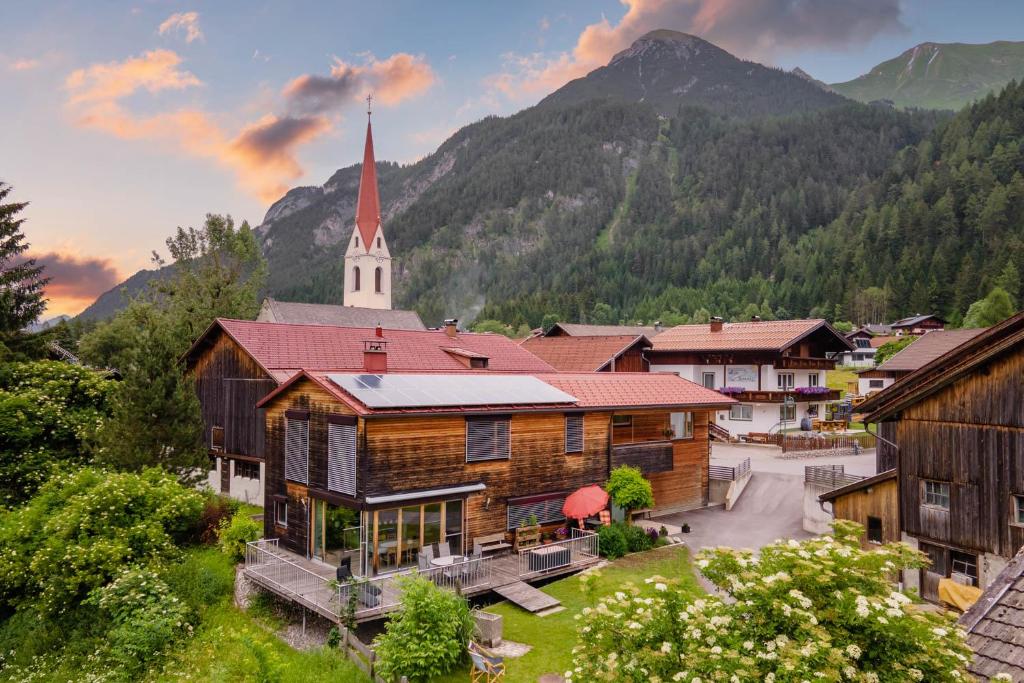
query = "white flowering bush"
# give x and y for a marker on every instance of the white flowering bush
(816, 610)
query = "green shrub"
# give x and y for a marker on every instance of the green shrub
(216, 508)
(235, 533)
(205, 578)
(82, 529)
(427, 636)
(637, 538)
(611, 542)
(628, 488)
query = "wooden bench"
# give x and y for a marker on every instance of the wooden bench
(761, 437)
(641, 513)
(491, 542)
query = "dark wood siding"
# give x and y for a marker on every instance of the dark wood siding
(878, 501)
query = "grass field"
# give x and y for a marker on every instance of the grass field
(840, 378)
(553, 637)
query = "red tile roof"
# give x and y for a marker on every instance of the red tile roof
(282, 349)
(593, 390)
(772, 335)
(580, 354)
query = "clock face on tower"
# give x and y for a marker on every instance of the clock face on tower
(380, 259)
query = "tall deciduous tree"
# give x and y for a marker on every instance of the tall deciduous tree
(218, 271)
(21, 280)
(993, 309)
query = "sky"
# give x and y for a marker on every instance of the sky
(123, 121)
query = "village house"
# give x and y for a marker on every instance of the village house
(917, 325)
(954, 432)
(872, 503)
(235, 363)
(759, 363)
(924, 350)
(865, 344)
(463, 459)
(584, 330)
(615, 353)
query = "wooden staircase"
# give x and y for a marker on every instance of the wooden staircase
(717, 433)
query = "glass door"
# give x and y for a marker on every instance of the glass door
(453, 525)
(316, 539)
(432, 525)
(412, 531)
(385, 542)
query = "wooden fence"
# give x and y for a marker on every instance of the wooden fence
(362, 655)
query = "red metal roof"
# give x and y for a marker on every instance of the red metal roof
(368, 204)
(580, 354)
(773, 335)
(282, 349)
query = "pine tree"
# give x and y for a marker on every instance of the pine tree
(21, 280)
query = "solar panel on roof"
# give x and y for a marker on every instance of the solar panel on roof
(426, 391)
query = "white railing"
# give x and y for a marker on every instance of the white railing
(268, 565)
(580, 548)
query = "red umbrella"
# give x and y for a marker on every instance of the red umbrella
(588, 501)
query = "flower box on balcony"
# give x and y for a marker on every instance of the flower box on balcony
(731, 390)
(812, 391)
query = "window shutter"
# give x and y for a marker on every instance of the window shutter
(341, 458)
(546, 511)
(487, 439)
(573, 433)
(296, 450)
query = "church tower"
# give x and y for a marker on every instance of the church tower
(367, 260)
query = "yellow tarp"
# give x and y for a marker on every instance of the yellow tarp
(957, 594)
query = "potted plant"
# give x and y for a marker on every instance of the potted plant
(528, 534)
(562, 533)
(686, 528)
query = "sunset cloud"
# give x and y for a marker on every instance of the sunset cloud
(187, 22)
(23, 64)
(752, 29)
(153, 71)
(397, 78)
(75, 281)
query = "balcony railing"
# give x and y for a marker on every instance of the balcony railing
(754, 396)
(651, 457)
(799, 363)
(579, 549)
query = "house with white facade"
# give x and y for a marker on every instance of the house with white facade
(927, 348)
(759, 363)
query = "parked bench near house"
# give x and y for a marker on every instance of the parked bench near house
(491, 543)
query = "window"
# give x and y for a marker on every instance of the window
(487, 438)
(874, 530)
(858, 356)
(785, 381)
(708, 379)
(547, 508)
(876, 383)
(217, 439)
(787, 413)
(1018, 510)
(741, 412)
(812, 410)
(357, 240)
(378, 243)
(936, 494)
(573, 433)
(682, 425)
(213, 464)
(478, 363)
(281, 512)
(248, 470)
(863, 343)
(378, 280)
(622, 420)
(965, 564)
(341, 457)
(296, 450)
(812, 379)
(355, 279)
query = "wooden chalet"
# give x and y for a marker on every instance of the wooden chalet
(872, 503)
(236, 363)
(592, 353)
(954, 432)
(918, 324)
(367, 470)
(759, 363)
(924, 350)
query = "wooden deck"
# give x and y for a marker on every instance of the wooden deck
(311, 584)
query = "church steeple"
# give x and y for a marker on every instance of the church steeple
(367, 260)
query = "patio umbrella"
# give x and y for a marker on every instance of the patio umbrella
(588, 501)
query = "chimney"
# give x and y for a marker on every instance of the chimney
(657, 326)
(716, 324)
(375, 356)
(451, 327)
(755, 318)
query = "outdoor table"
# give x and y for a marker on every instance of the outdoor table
(446, 561)
(549, 557)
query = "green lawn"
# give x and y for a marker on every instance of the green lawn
(839, 378)
(553, 637)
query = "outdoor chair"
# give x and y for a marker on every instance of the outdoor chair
(428, 552)
(423, 562)
(344, 572)
(487, 666)
(443, 549)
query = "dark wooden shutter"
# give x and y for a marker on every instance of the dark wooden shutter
(573, 433)
(296, 450)
(341, 458)
(487, 438)
(546, 511)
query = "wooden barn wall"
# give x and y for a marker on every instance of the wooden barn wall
(970, 434)
(881, 501)
(632, 361)
(303, 395)
(229, 384)
(409, 453)
(886, 455)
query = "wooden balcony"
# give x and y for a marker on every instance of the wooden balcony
(651, 457)
(780, 396)
(798, 363)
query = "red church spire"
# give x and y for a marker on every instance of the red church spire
(368, 206)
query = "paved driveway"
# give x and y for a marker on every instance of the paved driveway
(770, 507)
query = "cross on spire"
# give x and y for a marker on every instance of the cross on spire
(369, 102)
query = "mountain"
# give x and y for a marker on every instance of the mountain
(668, 69)
(115, 298)
(940, 75)
(41, 325)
